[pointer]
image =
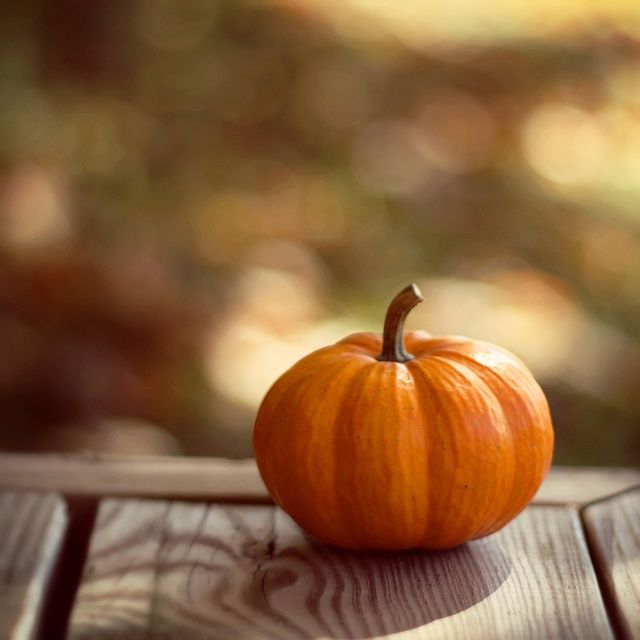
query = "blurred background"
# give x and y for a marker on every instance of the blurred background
(195, 194)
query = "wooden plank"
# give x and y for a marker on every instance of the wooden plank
(32, 527)
(232, 480)
(139, 476)
(162, 569)
(613, 528)
(585, 484)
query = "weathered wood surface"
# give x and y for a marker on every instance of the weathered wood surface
(585, 484)
(232, 480)
(159, 569)
(613, 527)
(162, 477)
(32, 528)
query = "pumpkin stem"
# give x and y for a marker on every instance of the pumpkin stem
(392, 338)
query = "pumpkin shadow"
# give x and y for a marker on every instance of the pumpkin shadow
(297, 588)
(316, 591)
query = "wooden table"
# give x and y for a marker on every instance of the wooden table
(97, 547)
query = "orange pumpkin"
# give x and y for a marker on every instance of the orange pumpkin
(405, 440)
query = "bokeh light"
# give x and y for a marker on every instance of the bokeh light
(565, 145)
(193, 195)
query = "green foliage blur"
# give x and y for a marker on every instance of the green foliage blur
(195, 194)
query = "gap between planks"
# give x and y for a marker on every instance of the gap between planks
(612, 531)
(69, 566)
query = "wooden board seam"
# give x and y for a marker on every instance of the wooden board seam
(607, 596)
(67, 572)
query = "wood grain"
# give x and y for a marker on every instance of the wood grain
(32, 527)
(613, 528)
(136, 476)
(232, 480)
(163, 570)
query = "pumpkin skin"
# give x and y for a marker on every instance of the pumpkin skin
(445, 447)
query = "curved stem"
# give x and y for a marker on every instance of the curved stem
(392, 337)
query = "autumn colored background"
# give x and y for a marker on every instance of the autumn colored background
(194, 194)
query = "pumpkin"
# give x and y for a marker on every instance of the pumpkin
(404, 440)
